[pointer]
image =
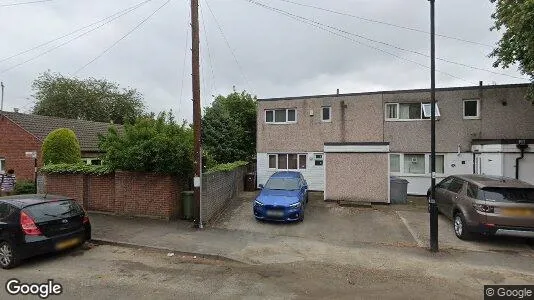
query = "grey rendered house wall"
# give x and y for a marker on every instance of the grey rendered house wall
(364, 120)
(515, 120)
(363, 123)
(367, 180)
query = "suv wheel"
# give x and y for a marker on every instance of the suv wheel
(8, 257)
(459, 226)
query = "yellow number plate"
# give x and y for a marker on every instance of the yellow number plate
(67, 244)
(518, 212)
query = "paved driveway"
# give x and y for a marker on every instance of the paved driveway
(323, 221)
(401, 225)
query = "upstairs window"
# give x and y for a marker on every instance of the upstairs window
(325, 114)
(2, 164)
(427, 114)
(281, 116)
(471, 109)
(408, 111)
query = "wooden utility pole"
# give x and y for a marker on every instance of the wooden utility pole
(195, 34)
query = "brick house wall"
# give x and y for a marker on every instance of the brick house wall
(218, 189)
(14, 143)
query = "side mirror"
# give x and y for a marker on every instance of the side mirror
(261, 186)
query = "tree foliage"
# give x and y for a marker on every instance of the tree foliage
(88, 99)
(516, 19)
(150, 145)
(61, 146)
(229, 128)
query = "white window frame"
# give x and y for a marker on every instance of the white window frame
(287, 160)
(478, 109)
(387, 111)
(274, 116)
(2, 164)
(275, 161)
(397, 118)
(438, 114)
(329, 114)
(427, 165)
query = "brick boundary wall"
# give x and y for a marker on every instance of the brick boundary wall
(218, 189)
(121, 193)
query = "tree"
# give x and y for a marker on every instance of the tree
(229, 128)
(150, 145)
(61, 146)
(516, 19)
(89, 99)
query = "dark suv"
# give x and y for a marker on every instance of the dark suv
(485, 204)
(35, 224)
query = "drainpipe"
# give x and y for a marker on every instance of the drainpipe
(522, 145)
(343, 107)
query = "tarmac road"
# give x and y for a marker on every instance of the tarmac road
(112, 272)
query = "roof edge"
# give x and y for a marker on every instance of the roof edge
(474, 87)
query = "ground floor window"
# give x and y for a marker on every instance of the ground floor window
(414, 164)
(287, 161)
(92, 161)
(2, 164)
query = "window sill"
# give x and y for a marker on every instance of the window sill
(280, 123)
(409, 120)
(327, 121)
(416, 175)
(472, 118)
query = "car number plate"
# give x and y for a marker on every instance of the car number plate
(67, 244)
(275, 213)
(518, 212)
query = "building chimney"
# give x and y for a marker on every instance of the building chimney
(337, 92)
(16, 110)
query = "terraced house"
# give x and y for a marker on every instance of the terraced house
(348, 145)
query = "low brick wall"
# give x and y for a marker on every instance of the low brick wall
(218, 189)
(120, 193)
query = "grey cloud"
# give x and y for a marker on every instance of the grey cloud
(279, 56)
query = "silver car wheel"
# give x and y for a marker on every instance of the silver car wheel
(5, 255)
(458, 225)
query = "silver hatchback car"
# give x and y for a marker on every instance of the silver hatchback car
(485, 204)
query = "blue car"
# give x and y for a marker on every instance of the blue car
(283, 198)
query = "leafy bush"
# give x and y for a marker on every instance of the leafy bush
(229, 128)
(79, 168)
(150, 145)
(227, 167)
(25, 187)
(61, 146)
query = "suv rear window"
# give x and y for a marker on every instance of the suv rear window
(509, 195)
(54, 210)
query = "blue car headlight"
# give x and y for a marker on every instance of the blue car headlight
(294, 205)
(257, 203)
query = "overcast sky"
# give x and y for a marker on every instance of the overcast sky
(276, 56)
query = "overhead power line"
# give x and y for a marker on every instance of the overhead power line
(390, 45)
(385, 23)
(70, 40)
(122, 38)
(24, 3)
(324, 28)
(214, 88)
(127, 10)
(228, 44)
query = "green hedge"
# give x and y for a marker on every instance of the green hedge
(227, 167)
(80, 168)
(25, 187)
